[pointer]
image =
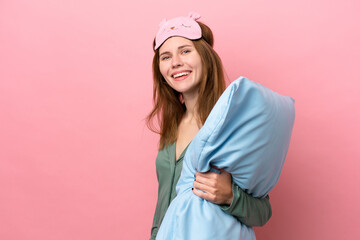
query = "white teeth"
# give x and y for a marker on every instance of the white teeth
(180, 74)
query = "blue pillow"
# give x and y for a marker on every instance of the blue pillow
(248, 134)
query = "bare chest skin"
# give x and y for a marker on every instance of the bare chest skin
(186, 132)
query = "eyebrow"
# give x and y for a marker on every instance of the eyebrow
(181, 47)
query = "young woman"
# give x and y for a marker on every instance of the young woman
(188, 80)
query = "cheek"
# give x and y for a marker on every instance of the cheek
(197, 62)
(200, 67)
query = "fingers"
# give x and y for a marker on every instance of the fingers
(203, 187)
(207, 196)
(214, 187)
(209, 178)
(206, 174)
(219, 169)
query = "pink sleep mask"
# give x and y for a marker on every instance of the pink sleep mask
(186, 27)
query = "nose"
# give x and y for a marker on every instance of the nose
(176, 61)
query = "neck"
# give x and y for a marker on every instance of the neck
(191, 113)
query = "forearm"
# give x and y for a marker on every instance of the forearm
(249, 210)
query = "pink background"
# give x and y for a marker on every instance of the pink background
(76, 160)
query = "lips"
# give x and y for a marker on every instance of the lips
(180, 74)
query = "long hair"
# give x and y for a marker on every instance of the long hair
(168, 105)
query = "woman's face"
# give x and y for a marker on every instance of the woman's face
(180, 65)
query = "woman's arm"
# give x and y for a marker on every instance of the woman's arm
(219, 189)
(253, 212)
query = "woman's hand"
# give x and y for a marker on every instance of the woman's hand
(216, 187)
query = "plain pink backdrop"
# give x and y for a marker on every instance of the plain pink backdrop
(76, 160)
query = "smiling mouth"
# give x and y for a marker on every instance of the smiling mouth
(180, 74)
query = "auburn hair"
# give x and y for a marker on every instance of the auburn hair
(169, 107)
